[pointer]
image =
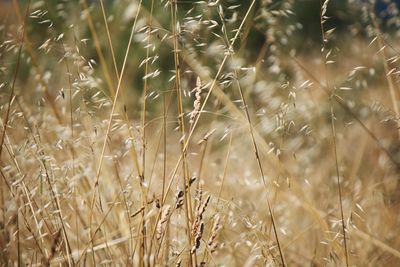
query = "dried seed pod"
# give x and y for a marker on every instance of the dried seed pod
(163, 221)
(197, 101)
(179, 199)
(212, 243)
(197, 239)
(179, 262)
(206, 136)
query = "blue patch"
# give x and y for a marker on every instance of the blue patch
(382, 8)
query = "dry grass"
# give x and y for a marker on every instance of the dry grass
(160, 133)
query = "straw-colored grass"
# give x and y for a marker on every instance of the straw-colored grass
(184, 133)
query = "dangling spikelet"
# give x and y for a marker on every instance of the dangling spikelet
(162, 222)
(198, 225)
(212, 242)
(197, 239)
(179, 199)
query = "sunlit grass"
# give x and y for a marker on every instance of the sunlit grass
(162, 133)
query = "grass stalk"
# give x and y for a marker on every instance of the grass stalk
(257, 155)
(99, 167)
(185, 180)
(325, 40)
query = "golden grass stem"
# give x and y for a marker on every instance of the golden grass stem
(16, 70)
(219, 93)
(348, 110)
(185, 180)
(97, 46)
(35, 64)
(325, 55)
(99, 167)
(257, 155)
(389, 78)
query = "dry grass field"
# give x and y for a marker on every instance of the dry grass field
(199, 133)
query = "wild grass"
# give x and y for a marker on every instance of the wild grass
(194, 133)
